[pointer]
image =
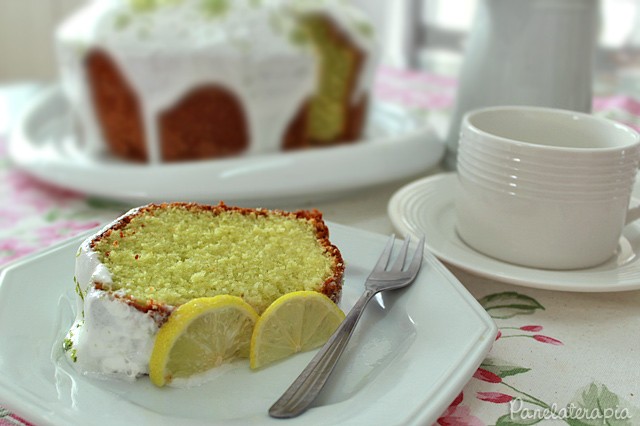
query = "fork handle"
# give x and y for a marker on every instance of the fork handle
(297, 398)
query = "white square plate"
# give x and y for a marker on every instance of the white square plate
(411, 354)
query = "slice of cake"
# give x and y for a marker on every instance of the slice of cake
(180, 80)
(132, 274)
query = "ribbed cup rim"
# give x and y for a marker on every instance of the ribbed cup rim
(469, 123)
(508, 158)
(542, 172)
(522, 189)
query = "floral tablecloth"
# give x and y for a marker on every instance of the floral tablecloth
(559, 358)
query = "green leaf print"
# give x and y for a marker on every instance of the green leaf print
(597, 405)
(52, 215)
(502, 368)
(101, 203)
(509, 420)
(509, 304)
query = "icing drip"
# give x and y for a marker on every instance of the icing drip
(109, 337)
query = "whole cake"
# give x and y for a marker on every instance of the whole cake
(132, 274)
(177, 80)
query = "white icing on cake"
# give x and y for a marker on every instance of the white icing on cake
(109, 337)
(164, 51)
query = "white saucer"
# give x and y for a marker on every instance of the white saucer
(426, 207)
(399, 144)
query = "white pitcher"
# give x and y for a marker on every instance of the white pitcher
(527, 52)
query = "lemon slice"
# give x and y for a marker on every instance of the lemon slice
(200, 335)
(295, 322)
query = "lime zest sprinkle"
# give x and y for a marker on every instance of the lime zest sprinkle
(79, 291)
(215, 8)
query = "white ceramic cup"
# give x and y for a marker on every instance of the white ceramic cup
(545, 188)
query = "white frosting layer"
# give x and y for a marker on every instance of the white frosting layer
(170, 49)
(109, 337)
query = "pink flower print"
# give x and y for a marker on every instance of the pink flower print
(618, 102)
(40, 195)
(458, 399)
(533, 328)
(11, 249)
(9, 218)
(547, 339)
(495, 397)
(57, 231)
(13, 419)
(487, 376)
(458, 415)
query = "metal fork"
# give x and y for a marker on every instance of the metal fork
(297, 398)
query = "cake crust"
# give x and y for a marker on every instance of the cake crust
(116, 106)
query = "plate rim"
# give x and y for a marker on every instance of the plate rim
(419, 150)
(425, 411)
(498, 270)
